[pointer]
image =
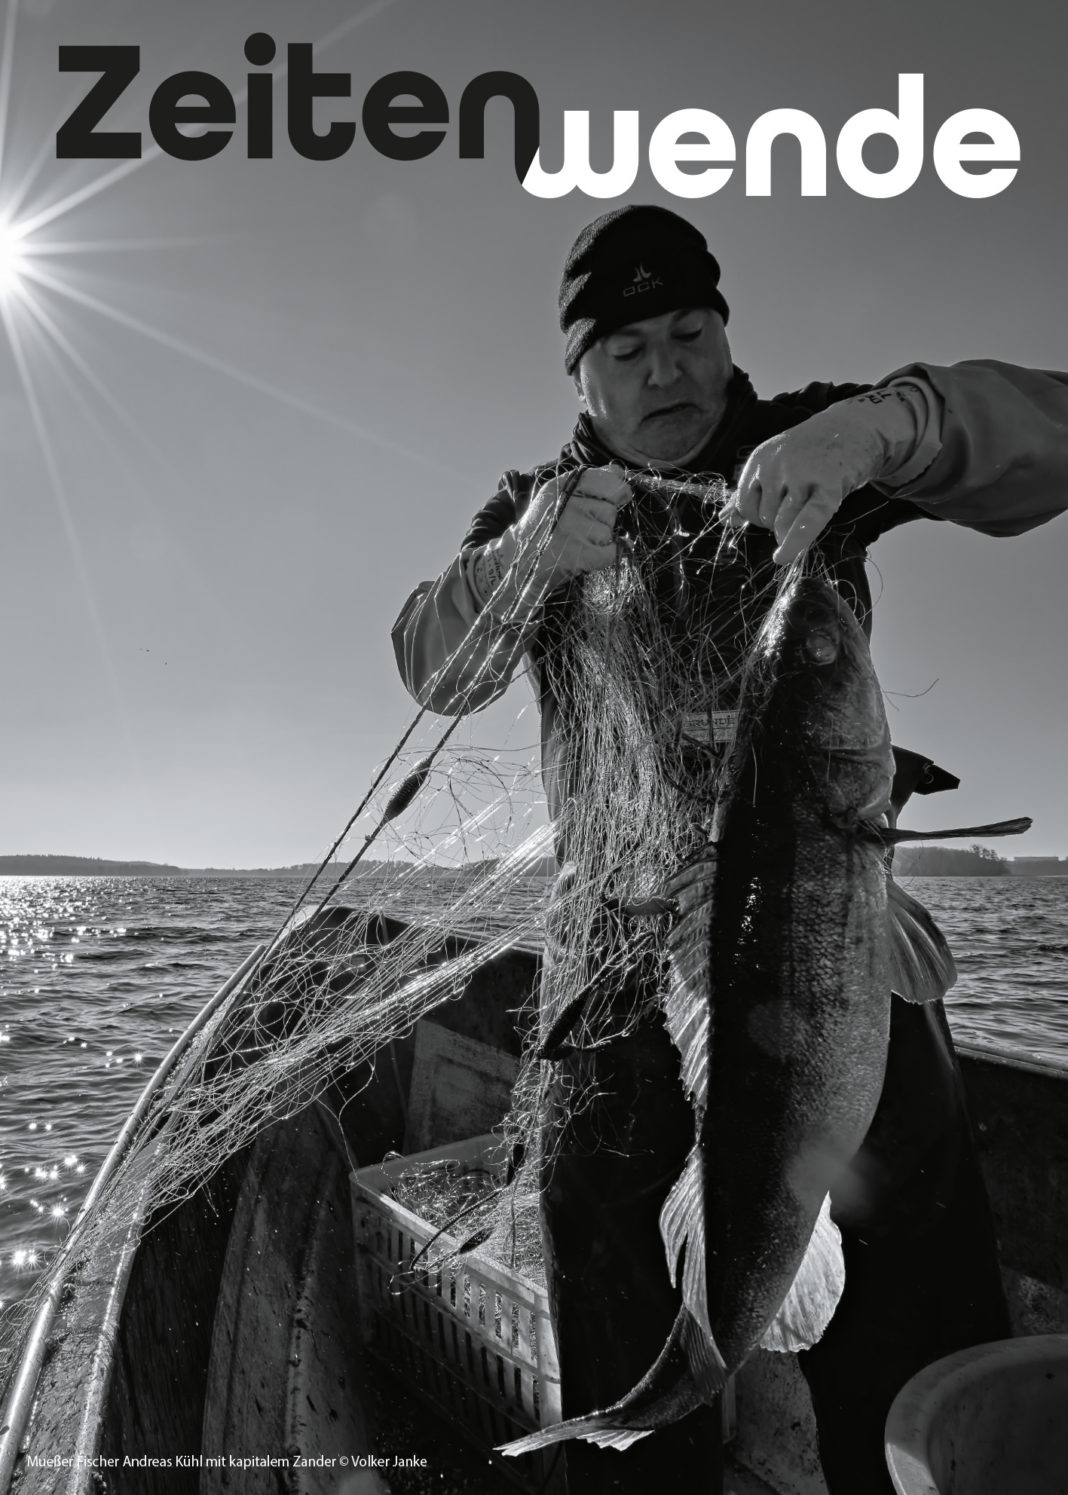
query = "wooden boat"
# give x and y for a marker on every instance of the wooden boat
(224, 1345)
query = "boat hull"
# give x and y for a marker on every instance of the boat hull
(227, 1328)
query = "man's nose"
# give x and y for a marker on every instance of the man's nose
(663, 367)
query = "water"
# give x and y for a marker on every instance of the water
(99, 976)
(1010, 940)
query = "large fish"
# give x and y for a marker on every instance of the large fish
(782, 957)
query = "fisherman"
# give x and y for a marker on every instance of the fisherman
(982, 444)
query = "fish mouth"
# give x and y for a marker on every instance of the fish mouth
(821, 644)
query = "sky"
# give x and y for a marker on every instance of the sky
(245, 405)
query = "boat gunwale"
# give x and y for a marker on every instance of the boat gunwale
(18, 1403)
(18, 1408)
(1010, 1058)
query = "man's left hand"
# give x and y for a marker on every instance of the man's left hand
(794, 483)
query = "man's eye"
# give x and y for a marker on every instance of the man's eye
(686, 335)
(626, 355)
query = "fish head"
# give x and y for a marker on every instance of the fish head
(818, 719)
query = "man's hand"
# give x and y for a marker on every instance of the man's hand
(794, 483)
(560, 542)
(568, 529)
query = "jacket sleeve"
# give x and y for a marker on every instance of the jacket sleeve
(993, 454)
(452, 657)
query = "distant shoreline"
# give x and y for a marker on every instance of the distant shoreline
(926, 861)
(62, 866)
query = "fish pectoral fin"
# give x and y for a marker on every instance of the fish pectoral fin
(995, 828)
(922, 968)
(551, 1045)
(688, 882)
(688, 1371)
(809, 1305)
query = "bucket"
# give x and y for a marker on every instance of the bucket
(992, 1420)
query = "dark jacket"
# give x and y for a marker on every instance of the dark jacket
(993, 457)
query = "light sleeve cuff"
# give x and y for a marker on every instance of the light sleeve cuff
(910, 459)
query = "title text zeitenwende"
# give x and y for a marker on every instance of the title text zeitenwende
(406, 116)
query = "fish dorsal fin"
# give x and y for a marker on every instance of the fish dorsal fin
(687, 1005)
(922, 968)
(808, 1306)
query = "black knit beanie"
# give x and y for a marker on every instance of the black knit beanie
(633, 263)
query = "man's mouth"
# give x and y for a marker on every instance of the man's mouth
(682, 407)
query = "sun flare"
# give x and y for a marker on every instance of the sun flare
(12, 257)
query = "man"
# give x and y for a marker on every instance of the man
(835, 466)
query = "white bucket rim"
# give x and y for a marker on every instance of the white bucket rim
(918, 1402)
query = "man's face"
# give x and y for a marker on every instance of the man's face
(656, 390)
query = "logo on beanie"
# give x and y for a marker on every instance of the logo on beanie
(644, 280)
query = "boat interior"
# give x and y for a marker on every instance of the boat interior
(232, 1325)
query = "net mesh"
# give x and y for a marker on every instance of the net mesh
(643, 661)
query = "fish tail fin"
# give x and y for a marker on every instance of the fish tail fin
(708, 1369)
(688, 1371)
(594, 1429)
(809, 1306)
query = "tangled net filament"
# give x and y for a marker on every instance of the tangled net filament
(632, 655)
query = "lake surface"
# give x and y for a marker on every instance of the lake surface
(99, 976)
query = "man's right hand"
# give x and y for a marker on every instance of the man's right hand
(569, 527)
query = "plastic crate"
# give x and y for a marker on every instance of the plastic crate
(471, 1336)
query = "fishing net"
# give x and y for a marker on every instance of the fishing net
(643, 661)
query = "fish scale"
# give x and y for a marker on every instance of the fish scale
(779, 1002)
